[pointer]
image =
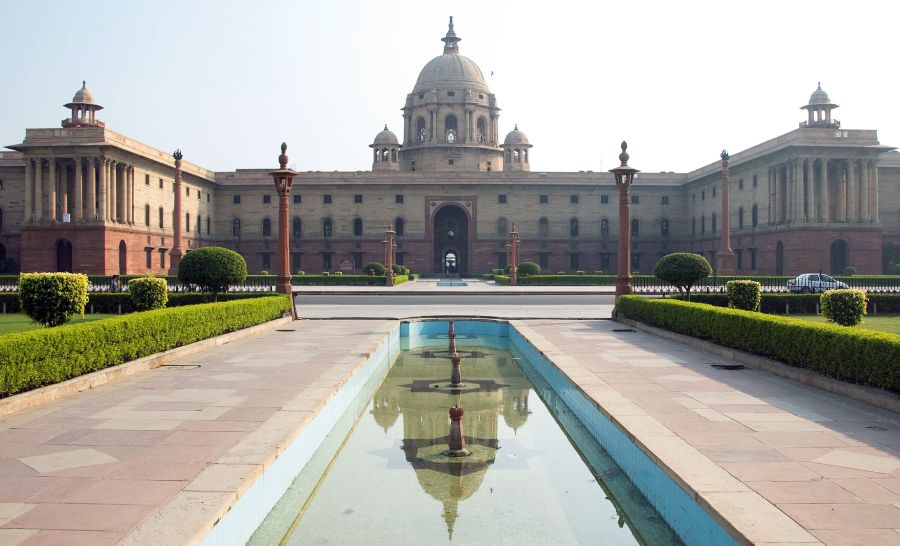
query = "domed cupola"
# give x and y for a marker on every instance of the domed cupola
(516, 147)
(819, 110)
(450, 118)
(84, 110)
(385, 149)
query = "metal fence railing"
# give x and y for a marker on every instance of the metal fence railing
(103, 283)
(874, 284)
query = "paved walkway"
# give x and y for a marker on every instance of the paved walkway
(159, 456)
(453, 286)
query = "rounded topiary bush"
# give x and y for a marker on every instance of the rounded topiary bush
(845, 306)
(527, 269)
(849, 271)
(397, 269)
(743, 294)
(376, 267)
(213, 269)
(148, 293)
(682, 270)
(52, 299)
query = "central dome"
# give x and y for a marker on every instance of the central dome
(450, 69)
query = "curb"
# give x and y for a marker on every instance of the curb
(861, 393)
(448, 293)
(38, 397)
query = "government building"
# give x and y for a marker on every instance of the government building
(82, 197)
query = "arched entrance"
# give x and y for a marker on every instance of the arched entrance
(122, 261)
(451, 241)
(839, 256)
(779, 258)
(64, 256)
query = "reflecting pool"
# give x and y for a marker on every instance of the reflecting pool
(525, 481)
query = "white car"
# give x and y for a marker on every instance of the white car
(811, 283)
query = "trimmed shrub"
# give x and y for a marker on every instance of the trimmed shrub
(579, 272)
(264, 273)
(378, 268)
(845, 307)
(344, 280)
(501, 279)
(300, 272)
(148, 293)
(51, 299)
(213, 269)
(29, 360)
(857, 355)
(497, 271)
(396, 269)
(744, 295)
(849, 271)
(527, 269)
(682, 270)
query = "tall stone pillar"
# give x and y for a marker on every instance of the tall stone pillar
(826, 191)
(79, 191)
(103, 198)
(798, 190)
(864, 192)
(29, 191)
(64, 193)
(39, 189)
(114, 191)
(177, 250)
(128, 191)
(842, 196)
(876, 217)
(90, 194)
(772, 190)
(809, 169)
(852, 192)
(725, 255)
(51, 190)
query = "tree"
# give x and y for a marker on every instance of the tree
(683, 270)
(51, 299)
(213, 269)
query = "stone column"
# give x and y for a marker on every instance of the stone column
(826, 190)
(29, 191)
(102, 199)
(389, 256)
(39, 189)
(852, 188)
(842, 197)
(114, 191)
(129, 182)
(864, 192)
(177, 251)
(809, 169)
(51, 190)
(91, 194)
(725, 255)
(79, 201)
(771, 201)
(798, 191)
(64, 193)
(876, 217)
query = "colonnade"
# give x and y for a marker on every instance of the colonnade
(823, 190)
(78, 189)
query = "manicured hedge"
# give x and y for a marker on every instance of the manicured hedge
(802, 304)
(573, 280)
(107, 302)
(850, 354)
(29, 360)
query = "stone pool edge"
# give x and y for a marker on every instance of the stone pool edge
(746, 515)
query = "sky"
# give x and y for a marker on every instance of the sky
(228, 81)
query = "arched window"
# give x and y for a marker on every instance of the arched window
(754, 215)
(703, 224)
(481, 130)
(714, 222)
(740, 217)
(393, 155)
(146, 215)
(543, 227)
(399, 226)
(266, 227)
(450, 128)
(694, 225)
(635, 228)
(664, 228)
(573, 227)
(421, 132)
(162, 221)
(296, 226)
(187, 222)
(604, 229)
(502, 227)
(236, 227)
(207, 225)
(357, 227)
(508, 156)
(326, 227)
(199, 224)
(385, 154)
(516, 154)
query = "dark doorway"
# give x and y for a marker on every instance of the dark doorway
(839, 256)
(451, 236)
(122, 259)
(64, 256)
(779, 258)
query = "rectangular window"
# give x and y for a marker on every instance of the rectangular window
(665, 199)
(703, 195)
(752, 258)
(147, 183)
(187, 191)
(488, 166)
(450, 162)
(296, 262)
(604, 261)
(207, 225)
(400, 258)
(149, 250)
(326, 262)
(544, 260)
(198, 194)
(501, 260)
(573, 261)
(236, 199)
(207, 197)
(714, 192)
(604, 199)
(297, 199)
(187, 221)
(357, 198)
(162, 258)
(266, 262)
(267, 199)
(357, 262)
(160, 183)
(398, 199)
(739, 254)
(501, 198)
(754, 181)
(635, 263)
(635, 199)
(740, 184)
(573, 199)
(326, 198)
(451, 93)
(542, 199)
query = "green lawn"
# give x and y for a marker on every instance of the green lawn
(12, 323)
(881, 323)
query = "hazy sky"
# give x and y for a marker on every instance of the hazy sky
(228, 81)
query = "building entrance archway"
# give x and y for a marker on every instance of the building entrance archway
(779, 258)
(451, 241)
(839, 256)
(123, 262)
(64, 256)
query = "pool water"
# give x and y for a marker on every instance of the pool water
(525, 482)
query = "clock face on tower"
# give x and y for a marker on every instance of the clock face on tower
(450, 234)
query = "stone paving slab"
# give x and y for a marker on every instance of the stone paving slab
(472, 286)
(157, 457)
(782, 462)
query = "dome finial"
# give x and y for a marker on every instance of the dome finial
(517, 127)
(451, 41)
(83, 84)
(385, 127)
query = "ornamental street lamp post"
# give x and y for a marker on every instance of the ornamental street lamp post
(513, 256)
(624, 176)
(177, 251)
(284, 181)
(725, 256)
(389, 256)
